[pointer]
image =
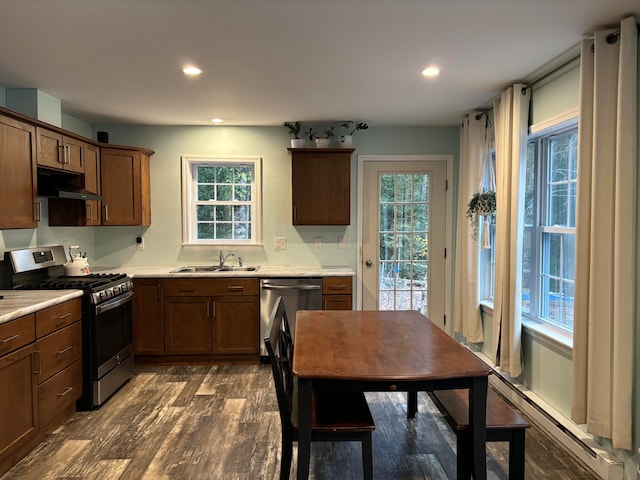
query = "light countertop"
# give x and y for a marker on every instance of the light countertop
(17, 303)
(265, 271)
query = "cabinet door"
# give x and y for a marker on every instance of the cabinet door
(49, 149)
(73, 156)
(337, 302)
(125, 187)
(321, 186)
(187, 326)
(235, 325)
(18, 179)
(92, 183)
(148, 317)
(19, 399)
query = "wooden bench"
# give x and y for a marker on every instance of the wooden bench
(504, 424)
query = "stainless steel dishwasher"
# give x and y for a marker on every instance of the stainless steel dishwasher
(297, 293)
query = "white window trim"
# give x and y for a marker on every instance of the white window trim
(188, 161)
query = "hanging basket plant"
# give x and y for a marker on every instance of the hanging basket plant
(482, 203)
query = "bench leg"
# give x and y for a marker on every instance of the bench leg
(367, 456)
(464, 454)
(412, 404)
(516, 455)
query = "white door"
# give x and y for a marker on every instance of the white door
(404, 237)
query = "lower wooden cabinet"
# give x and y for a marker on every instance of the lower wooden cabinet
(18, 403)
(337, 293)
(40, 377)
(197, 319)
(188, 326)
(148, 317)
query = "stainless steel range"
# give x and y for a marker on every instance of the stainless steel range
(107, 328)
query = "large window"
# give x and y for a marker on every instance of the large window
(549, 226)
(221, 200)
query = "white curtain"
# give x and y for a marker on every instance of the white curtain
(605, 285)
(467, 300)
(510, 113)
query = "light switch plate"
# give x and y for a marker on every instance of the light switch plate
(317, 243)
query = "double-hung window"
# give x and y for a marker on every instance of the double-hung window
(549, 226)
(221, 200)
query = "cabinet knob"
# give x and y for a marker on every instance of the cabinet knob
(368, 263)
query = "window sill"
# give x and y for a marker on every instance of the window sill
(554, 337)
(225, 246)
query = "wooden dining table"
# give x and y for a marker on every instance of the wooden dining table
(383, 351)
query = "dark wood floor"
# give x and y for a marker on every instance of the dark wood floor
(221, 422)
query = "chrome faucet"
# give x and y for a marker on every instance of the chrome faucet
(224, 257)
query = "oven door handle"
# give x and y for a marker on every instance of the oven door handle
(115, 303)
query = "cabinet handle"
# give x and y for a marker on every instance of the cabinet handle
(38, 211)
(213, 309)
(62, 317)
(106, 213)
(64, 350)
(89, 211)
(65, 392)
(295, 213)
(67, 156)
(39, 369)
(184, 289)
(235, 288)
(13, 337)
(336, 287)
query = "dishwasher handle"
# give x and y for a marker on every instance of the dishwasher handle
(273, 286)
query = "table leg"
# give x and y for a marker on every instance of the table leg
(304, 427)
(478, 421)
(412, 404)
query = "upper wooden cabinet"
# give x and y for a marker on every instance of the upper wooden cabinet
(92, 183)
(18, 179)
(321, 186)
(59, 151)
(125, 185)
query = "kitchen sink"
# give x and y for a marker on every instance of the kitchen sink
(213, 269)
(230, 268)
(195, 269)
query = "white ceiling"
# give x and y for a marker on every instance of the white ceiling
(269, 61)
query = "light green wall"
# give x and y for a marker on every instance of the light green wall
(35, 103)
(115, 246)
(3, 97)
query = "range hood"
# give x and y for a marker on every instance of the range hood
(56, 187)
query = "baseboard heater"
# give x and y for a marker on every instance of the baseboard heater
(577, 443)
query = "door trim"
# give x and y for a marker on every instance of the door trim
(448, 159)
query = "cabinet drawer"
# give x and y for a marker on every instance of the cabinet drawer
(59, 350)
(52, 318)
(17, 333)
(210, 286)
(336, 285)
(60, 392)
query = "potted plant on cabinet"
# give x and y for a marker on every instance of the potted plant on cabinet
(294, 129)
(321, 139)
(352, 127)
(482, 204)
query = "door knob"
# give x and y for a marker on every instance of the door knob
(368, 263)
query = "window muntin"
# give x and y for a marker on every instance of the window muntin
(549, 226)
(221, 200)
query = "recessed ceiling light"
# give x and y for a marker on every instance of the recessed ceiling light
(217, 120)
(191, 70)
(431, 71)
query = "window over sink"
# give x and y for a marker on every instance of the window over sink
(221, 201)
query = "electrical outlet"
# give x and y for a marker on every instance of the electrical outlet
(280, 243)
(344, 242)
(317, 243)
(139, 244)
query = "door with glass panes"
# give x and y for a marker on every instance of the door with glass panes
(403, 248)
